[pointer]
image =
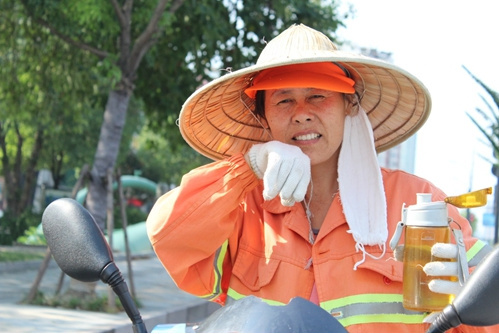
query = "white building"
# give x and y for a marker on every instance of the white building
(403, 155)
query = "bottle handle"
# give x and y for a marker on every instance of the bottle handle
(400, 227)
(396, 236)
(462, 261)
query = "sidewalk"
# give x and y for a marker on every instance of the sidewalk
(162, 301)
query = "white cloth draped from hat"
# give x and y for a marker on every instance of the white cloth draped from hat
(361, 185)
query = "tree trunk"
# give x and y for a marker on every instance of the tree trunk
(19, 185)
(30, 172)
(105, 159)
(107, 152)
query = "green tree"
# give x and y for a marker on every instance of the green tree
(16, 123)
(50, 112)
(491, 132)
(52, 93)
(183, 41)
(38, 90)
(156, 160)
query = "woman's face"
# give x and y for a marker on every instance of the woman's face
(310, 118)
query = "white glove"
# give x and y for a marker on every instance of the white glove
(284, 168)
(440, 268)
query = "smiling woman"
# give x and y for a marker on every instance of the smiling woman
(295, 204)
(309, 118)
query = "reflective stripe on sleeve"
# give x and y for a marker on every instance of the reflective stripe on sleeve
(360, 309)
(217, 272)
(371, 308)
(383, 318)
(477, 252)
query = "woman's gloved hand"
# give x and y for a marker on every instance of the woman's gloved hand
(284, 168)
(456, 267)
(444, 268)
(440, 268)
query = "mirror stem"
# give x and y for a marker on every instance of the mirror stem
(112, 276)
(446, 320)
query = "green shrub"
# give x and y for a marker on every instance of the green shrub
(33, 236)
(133, 216)
(12, 226)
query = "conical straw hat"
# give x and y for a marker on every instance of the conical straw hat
(217, 122)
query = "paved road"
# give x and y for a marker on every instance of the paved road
(162, 301)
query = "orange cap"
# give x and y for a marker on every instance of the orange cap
(323, 75)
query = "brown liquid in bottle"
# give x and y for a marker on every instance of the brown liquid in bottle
(417, 252)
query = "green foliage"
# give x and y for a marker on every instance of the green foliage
(108, 69)
(158, 160)
(14, 226)
(33, 236)
(13, 256)
(52, 90)
(90, 21)
(56, 89)
(133, 215)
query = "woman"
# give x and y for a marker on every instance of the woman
(295, 203)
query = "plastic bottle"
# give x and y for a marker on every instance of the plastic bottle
(426, 224)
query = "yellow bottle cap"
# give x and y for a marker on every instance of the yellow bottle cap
(472, 199)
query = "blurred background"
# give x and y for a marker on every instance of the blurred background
(90, 91)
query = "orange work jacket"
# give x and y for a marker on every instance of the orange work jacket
(219, 239)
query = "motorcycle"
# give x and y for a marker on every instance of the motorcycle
(82, 252)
